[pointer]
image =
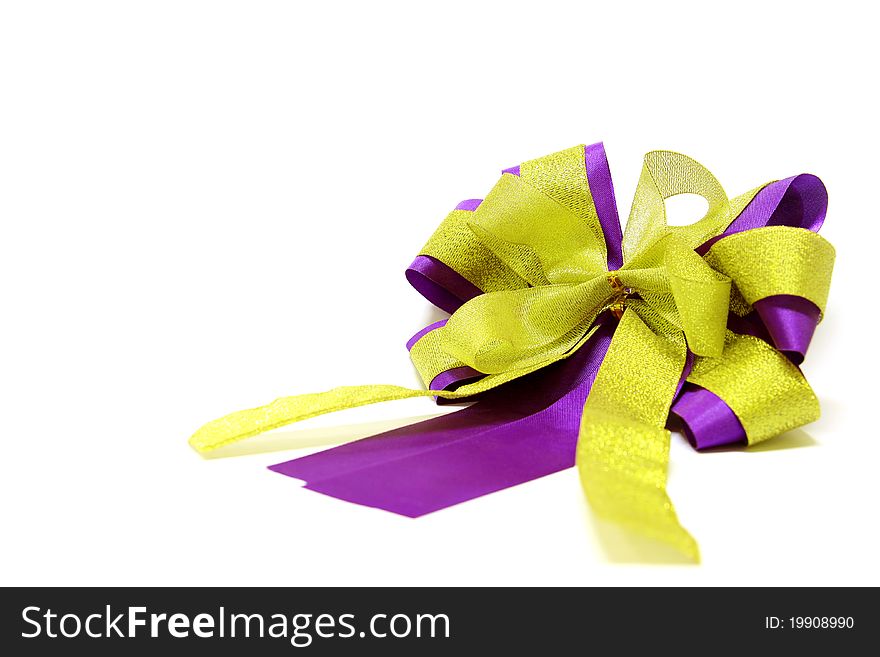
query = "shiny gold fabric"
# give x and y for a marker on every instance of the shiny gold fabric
(623, 449)
(801, 263)
(765, 390)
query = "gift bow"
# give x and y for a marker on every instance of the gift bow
(539, 268)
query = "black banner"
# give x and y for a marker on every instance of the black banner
(430, 621)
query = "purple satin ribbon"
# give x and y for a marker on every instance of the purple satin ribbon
(440, 284)
(529, 427)
(706, 421)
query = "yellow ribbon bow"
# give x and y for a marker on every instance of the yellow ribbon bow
(536, 248)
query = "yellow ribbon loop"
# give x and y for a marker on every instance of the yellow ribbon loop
(766, 262)
(500, 331)
(768, 394)
(564, 251)
(666, 174)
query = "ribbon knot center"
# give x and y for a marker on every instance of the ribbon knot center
(620, 294)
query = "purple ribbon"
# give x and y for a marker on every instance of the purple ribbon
(528, 428)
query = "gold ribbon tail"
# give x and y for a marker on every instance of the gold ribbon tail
(623, 447)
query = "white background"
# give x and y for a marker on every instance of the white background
(206, 205)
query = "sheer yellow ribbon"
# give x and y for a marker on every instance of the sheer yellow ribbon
(536, 248)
